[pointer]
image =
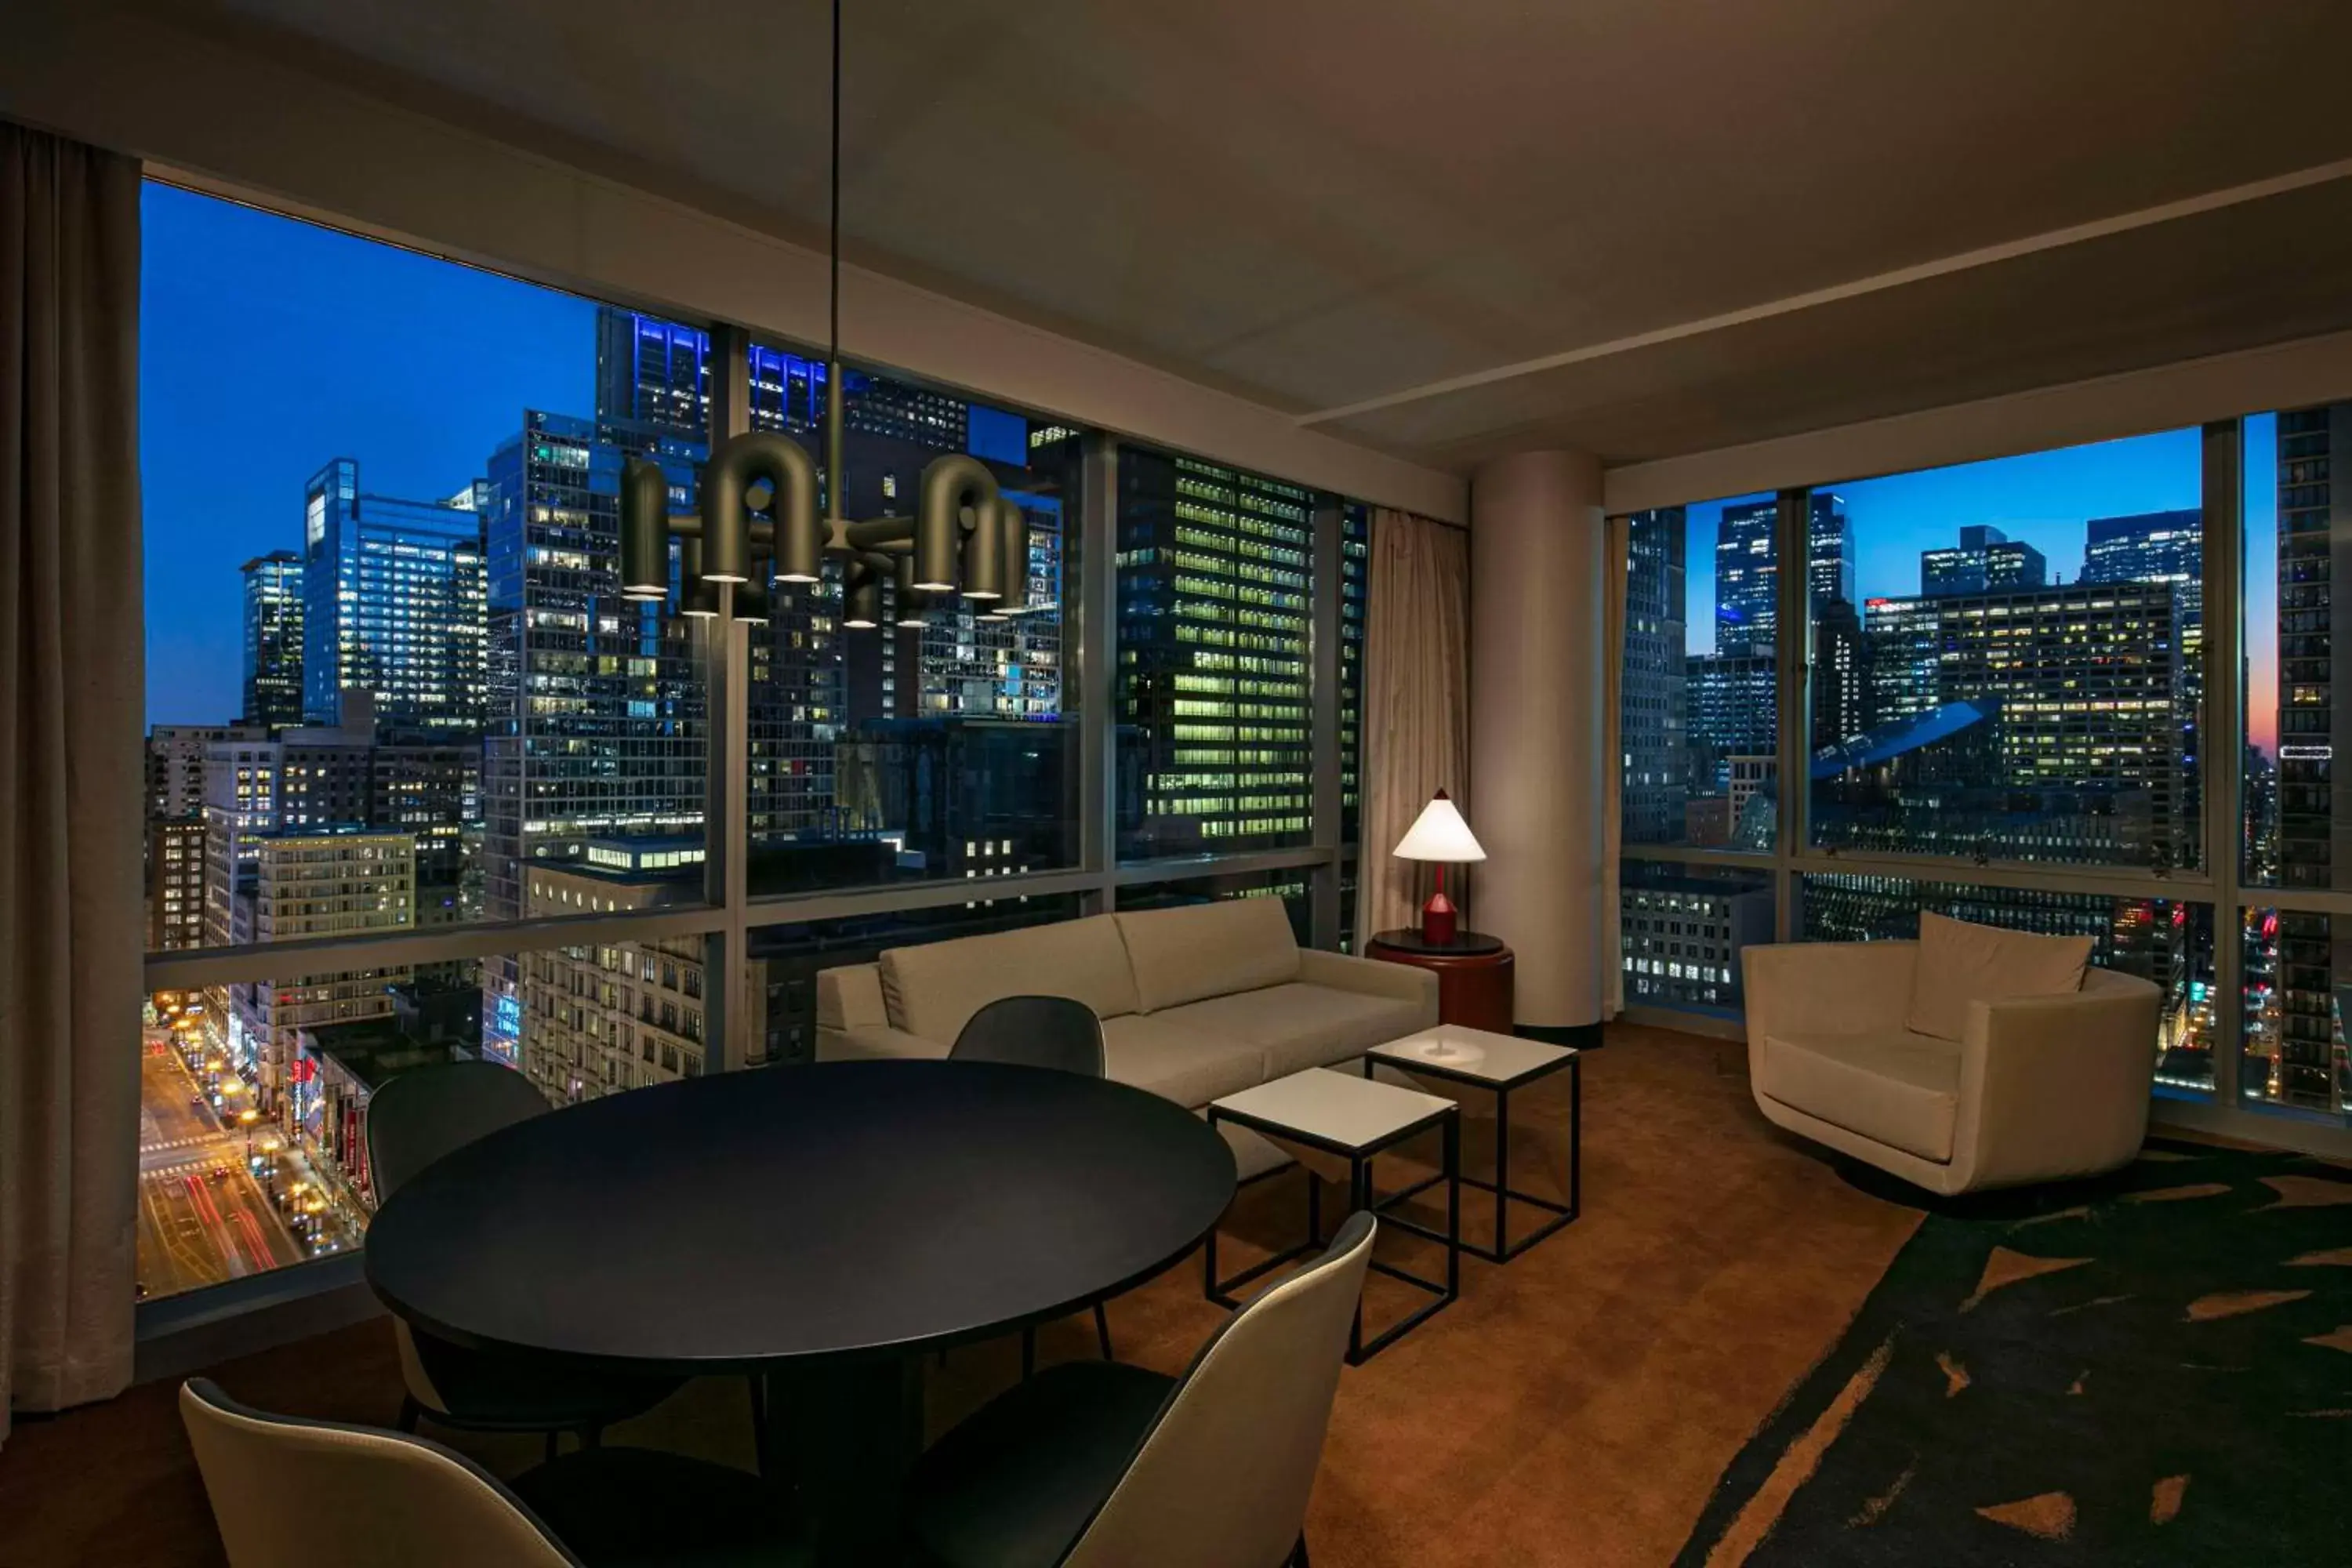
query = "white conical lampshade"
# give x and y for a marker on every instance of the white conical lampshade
(1439, 833)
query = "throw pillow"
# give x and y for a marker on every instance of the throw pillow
(1960, 963)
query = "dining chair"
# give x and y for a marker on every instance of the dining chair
(1094, 1464)
(415, 1118)
(289, 1493)
(1057, 1032)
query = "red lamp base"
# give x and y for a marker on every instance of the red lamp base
(1437, 919)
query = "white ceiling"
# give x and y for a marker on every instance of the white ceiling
(1325, 204)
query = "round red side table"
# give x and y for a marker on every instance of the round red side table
(1473, 974)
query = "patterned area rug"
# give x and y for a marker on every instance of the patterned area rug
(2155, 1369)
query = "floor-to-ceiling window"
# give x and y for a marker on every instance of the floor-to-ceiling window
(401, 712)
(2088, 689)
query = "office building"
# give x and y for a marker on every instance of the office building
(1656, 701)
(1355, 606)
(1681, 933)
(1728, 701)
(2315, 817)
(1747, 572)
(273, 639)
(302, 884)
(599, 1019)
(1747, 577)
(1828, 550)
(959, 797)
(176, 757)
(1214, 677)
(2145, 547)
(392, 604)
(1986, 560)
(1840, 672)
(2084, 681)
(1902, 657)
(175, 883)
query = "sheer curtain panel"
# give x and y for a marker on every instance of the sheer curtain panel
(1416, 706)
(72, 692)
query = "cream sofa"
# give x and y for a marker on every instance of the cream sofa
(1196, 1003)
(2035, 1088)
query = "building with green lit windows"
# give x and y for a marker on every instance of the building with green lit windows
(1215, 672)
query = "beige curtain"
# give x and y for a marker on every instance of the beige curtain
(1416, 708)
(72, 695)
(1612, 816)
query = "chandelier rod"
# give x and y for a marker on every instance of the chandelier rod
(833, 388)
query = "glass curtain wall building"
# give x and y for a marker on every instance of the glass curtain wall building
(400, 713)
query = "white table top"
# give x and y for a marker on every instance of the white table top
(1338, 1108)
(1451, 1050)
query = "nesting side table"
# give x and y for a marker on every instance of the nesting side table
(1499, 1063)
(1355, 1119)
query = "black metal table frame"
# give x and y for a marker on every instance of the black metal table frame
(1505, 1249)
(1361, 1196)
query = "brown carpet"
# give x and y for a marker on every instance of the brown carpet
(1575, 1406)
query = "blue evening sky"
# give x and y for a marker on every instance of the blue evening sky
(267, 347)
(2045, 499)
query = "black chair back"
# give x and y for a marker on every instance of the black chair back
(1036, 1032)
(426, 1112)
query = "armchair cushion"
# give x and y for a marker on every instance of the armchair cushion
(1891, 1085)
(1960, 963)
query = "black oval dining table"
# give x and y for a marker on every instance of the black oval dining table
(821, 1227)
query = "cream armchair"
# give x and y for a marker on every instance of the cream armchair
(2037, 1088)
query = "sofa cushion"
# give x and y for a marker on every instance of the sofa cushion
(1179, 1061)
(1897, 1088)
(1208, 950)
(1960, 963)
(933, 990)
(1301, 1025)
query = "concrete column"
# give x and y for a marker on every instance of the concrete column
(1538, 558)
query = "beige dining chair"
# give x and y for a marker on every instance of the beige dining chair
(293, 1493)
(1098, 1464)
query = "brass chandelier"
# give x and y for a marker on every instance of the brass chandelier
(967, 537)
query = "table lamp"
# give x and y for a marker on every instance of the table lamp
(1438, 834)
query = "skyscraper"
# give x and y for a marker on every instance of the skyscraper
(1986, 560)
(1214, 677)
(2145, 547)
(1729, 700)
(273, 639)
(1747, 577)
(1747, 572)
(1657, 702)
(2315, 818)
(1828, 550)
(392, 605)
(2083, 678)
(1840, 692)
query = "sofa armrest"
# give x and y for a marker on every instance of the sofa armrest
(2053, 1087)
(877, 1043)
(850, 998)
(1371, 976)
